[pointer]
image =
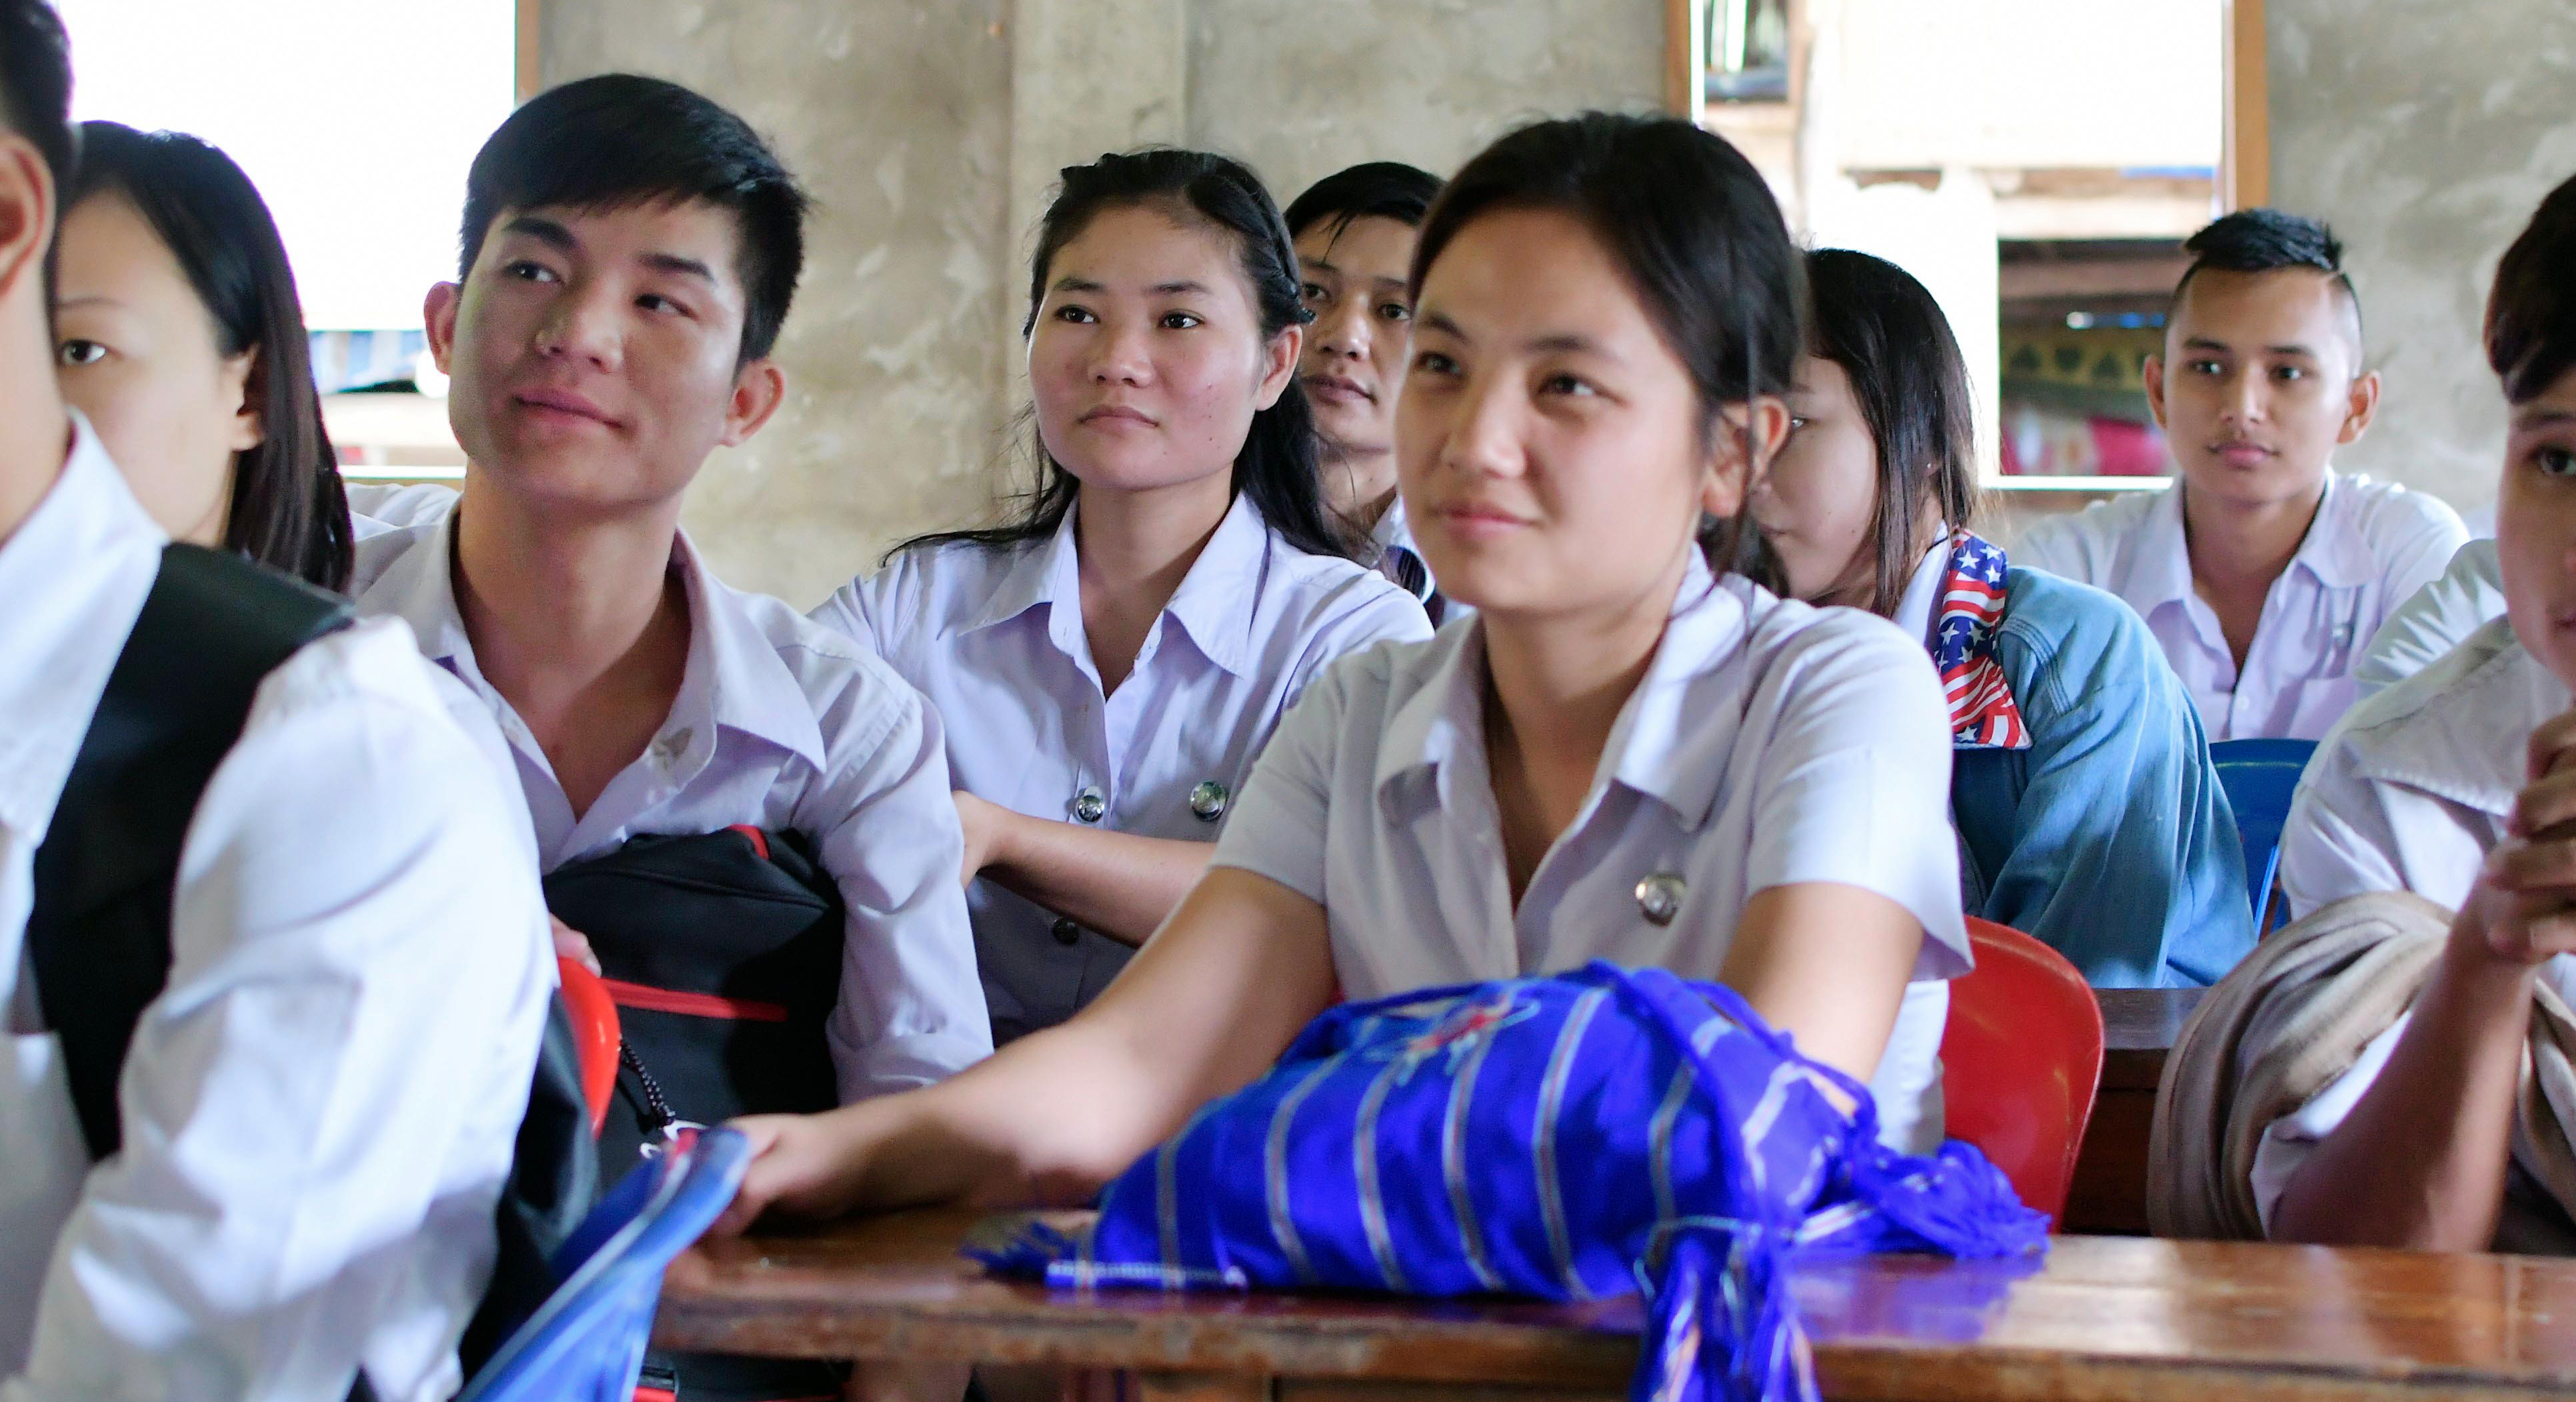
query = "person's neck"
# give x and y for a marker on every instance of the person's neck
(1132, 550)
(1359, 487)
(35, 438)
(2238, 548)
(1557, 684)
(553, 606)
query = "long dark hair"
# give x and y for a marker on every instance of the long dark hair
(287, 508)
(1889, 336)
(1695, 229)
(1277, 466)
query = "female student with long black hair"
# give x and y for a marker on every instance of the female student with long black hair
(1632, 751)
(1110, 662)
(2087, 808)
(180, 337)
(1355, 232)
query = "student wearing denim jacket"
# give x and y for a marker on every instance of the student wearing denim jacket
(2081, 787)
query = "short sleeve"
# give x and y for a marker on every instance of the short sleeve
(846, 613)
(912, 1009)
(1363, 611)
(1277, 827)
(2425, 536)
(1854, 779)
(2057, 546)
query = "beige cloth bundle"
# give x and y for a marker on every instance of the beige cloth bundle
(2292, 1018)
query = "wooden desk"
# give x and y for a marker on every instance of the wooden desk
(2103, 1318)
(2139, 1025)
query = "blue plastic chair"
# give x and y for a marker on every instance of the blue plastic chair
(2260, 776)
(586, 1343)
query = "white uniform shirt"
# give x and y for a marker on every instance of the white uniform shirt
(2409, 794)
(319, 1111)
(995, 639)
(1769, 743)
(2372, 544)
(2435, 619)
(782, 725)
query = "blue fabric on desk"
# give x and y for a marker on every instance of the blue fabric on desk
(1571, 1138)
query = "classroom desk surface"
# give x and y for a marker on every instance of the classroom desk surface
(2101, 1318)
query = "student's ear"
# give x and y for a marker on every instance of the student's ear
(1729, 474)
(758, 389)
(438, 314)
(2153, 372)
(2363, 408)
(26, 212)
(1279, 365)
(245, 380)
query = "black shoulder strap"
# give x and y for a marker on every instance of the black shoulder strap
(98, 938)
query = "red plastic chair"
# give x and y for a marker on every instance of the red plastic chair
(595, 1036)
(2021, 1060)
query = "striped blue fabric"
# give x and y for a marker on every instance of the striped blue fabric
(1568, 1138)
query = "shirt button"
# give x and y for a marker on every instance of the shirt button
(1208, 801)
(1090, 805)
(1065, 931)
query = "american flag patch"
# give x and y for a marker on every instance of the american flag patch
(1982, 713)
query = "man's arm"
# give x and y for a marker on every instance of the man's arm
(319, 1112)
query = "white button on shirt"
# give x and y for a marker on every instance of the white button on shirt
(785, 726)
(2371, 546)
(1770, 743)
(2409, 793)
(995, 639)
(319, 1111)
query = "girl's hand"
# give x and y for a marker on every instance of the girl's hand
(801, 1166)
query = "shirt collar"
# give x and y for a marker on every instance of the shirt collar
(2468, 746)
(1661, 746)
(734, 677)
(1922, 596)
(75, 574)
(1214, 604)
(2332, 551)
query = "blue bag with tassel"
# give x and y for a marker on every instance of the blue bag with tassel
(1570, 1138)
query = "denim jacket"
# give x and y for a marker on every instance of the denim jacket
(2109, 838)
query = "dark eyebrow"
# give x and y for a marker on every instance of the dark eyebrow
(1076, 284)
(1440, 322)
(674, 263)
(2542, 418)
(2204, 343)
(543, 230)
(94, 300)
(1177, 289)
(2297, 350)
(1571, 343)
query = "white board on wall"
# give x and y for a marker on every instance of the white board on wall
(356, 119)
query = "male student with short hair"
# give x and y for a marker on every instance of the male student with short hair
(2262, 571)
(287, 1177)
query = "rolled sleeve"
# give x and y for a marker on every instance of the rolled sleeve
(911, 1009)
(1854, 789)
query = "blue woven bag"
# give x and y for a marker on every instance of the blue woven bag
(1569, 1138)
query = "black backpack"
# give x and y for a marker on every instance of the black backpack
(98, 938)
(723, 953)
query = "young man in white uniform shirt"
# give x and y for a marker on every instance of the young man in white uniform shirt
(630, 251)
(2262, 572)
(2457, 784)
(318, 1113)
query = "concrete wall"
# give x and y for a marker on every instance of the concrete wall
(929, 131)
(2425, 132)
